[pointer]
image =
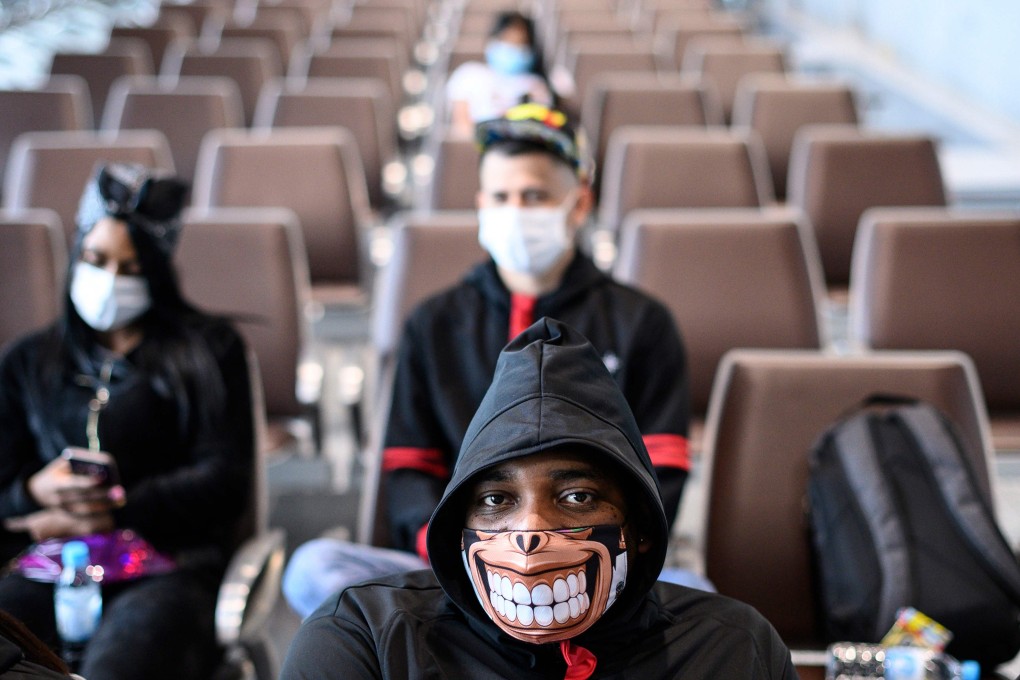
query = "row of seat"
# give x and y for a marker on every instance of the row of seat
(180, 126)
(316, 172)
(752, 278)
(727, 80)
(588, 40)
(835, 173)
(185, 108)
(924, 279)
(250, 62)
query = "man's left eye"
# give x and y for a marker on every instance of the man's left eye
(579, 497)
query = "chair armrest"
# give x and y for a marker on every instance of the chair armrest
(810, 663)
(250, 588)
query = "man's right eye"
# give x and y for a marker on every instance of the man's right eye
(493, 499)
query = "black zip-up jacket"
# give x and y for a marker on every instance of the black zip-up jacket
(187, 481)
(550, 391)
(446, 360)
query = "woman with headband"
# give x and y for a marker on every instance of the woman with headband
(154, 396)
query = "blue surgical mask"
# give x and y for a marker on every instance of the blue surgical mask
(509, 59)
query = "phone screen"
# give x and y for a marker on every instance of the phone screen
(81, 464)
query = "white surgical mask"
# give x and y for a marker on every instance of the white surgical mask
(107, 301)
(525, 240)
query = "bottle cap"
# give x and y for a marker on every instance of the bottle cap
(75, 554)
(970, 670)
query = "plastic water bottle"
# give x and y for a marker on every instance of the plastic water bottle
(916, 663)
(854, 661)
(78, 602)
(859, 661)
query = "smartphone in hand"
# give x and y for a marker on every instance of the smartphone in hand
(94, 464)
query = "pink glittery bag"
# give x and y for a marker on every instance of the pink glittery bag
(122, 554)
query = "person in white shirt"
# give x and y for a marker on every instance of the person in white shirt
(513, 73)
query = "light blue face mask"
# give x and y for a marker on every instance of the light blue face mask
(509, 59)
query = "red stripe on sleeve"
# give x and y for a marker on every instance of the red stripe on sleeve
(429, 461)
(668, 450)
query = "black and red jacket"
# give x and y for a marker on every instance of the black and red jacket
(446, 360)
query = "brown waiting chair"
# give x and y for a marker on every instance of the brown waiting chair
(654, 167)
(311, 13)
(452, 180)
(586, 29)
(33, 261)
(725, 62)
(466, 48)
(668, 100)
(838, 172)
(369, 19)
(586, 61)
(362, 105)
(317, 173)
(50, 169)
(777, 105)
(934, 278)
(355, 58)
(673, 33)
(122, 57)
(651, 16)
(263, 287)
(167, 28)
(249, 62)
(731, 278)
(183, 109)
(430, 253)
(767, 409)
(284, 31)
(552, 18)
(61, 103)
(200, 14)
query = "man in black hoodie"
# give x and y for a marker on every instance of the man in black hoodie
(545, 550)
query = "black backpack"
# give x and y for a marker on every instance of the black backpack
(897, 520)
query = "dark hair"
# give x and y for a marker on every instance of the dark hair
(505, 20)
(31, 646)
(520, 147)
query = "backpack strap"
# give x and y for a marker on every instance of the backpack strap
(865, 476)
(954, 476)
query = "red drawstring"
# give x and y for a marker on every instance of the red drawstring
(580, 662)
(522, 314)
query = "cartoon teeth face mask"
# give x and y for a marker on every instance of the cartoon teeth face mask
(546, 586)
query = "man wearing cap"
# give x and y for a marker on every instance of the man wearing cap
(534, 198)
(545, 549)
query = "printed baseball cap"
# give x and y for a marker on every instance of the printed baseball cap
(540, 125)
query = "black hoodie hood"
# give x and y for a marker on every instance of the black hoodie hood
(550, 390)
